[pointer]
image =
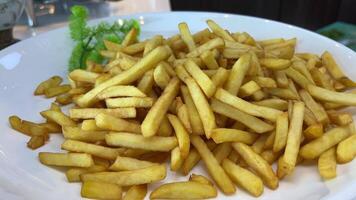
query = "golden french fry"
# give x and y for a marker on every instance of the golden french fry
(284, 93)
(129, 140)
(165, 129)
(249, 121)
(248, 89)
(301, 67)
(49, 83)
(222, 151)
(130, 37)
(161, 76)
(215, 170)
(317, 110)
(280, 139)
(221, 135)
(66, 159)
(294, 138)
(244, 178)
(181, 134)
(154, 117)
(249, 108)
(340, 119)
(81, 75)
(220, 77)
(331, 96)
(313, 131)
(194, 119)
(134, 48)
(270, 156)
(36, 142)
(93, 149)
(281, 78)
(275, 103)
(136, 192)
(90, 125)
(108, 122)
(186, 36)
(183, 115)
(51, 127)
(146, 82)
(121, 91)
(125, 102)
(327, 164)
(258, 164)
(346, 150)
(76, 133)
(200, 179)
(184, 190)
(309, 118)
(127, 163)
(206, 114)
(209, 60)
(332, 66)
(152, 43)
(90, 113)
(297, 77)
(100, 190)
(259, 144)
(219, 31)
(58, 117)
(237, 74)
(211, 44)
(329, 139)
(270, 140)
(73, 174)
(128, 76)
(202, 79)
(176, 159)
(146, 175)
(57, 90)
(265, 82)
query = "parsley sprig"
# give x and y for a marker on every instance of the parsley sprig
(90, 39)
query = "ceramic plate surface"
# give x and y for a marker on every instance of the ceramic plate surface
(25, 64)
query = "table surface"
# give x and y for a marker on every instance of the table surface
(107, 9)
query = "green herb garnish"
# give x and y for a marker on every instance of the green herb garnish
(90, 40)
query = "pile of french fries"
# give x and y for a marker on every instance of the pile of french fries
(235, 103)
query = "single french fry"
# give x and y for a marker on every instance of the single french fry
(176, 159)
(152, 43)
(202, 79)
(255, 124)
(221, 135)
(93, 149)
(284, 93)
(49, 83)
(237, 74)
(100, 190)
(220, 77)
(346, 150)
(317, 110)
(126, 163)
(76, 133)
(333, 68)
(275, 63)
(186, 36)
(121, 91)
(57, 90)
(270, 140)
(134, 48)
(215, 170)
(36, 142)
(58, 117)
(136, 192)
(281, 78)
(184, 190)
(83, 76)
(146, 175)
(165, 129)
(181, 134)
(258, 164)
(130, 140)
(331, 96)
(219, 31)
(248, 89)
(280, 139)
(108, 122)
(293, 139)
(183, 115)
(329, 139)
(206, 114)
(244, 178)
(66, 159)
(200, 179)
(154, 117)
(161, 76)
(125, 102)
(90, 125)
(90, 113)
(209, 60)
(265, 82)
(327, 164)
(128, 76)
(249, 108)
(211, 44)
(73, 174)
(275, 103)
(146, 82)
(195, 122)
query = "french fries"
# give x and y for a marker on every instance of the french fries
(128, 178)
(242, 104)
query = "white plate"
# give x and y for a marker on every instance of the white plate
(25, 64)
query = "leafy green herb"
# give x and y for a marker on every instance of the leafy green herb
(90, 40)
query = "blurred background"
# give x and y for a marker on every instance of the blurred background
(334, 18)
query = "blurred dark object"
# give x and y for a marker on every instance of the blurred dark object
(341, 32)
(6, 38)
(310, 14)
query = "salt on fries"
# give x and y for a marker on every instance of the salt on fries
(236, 103)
